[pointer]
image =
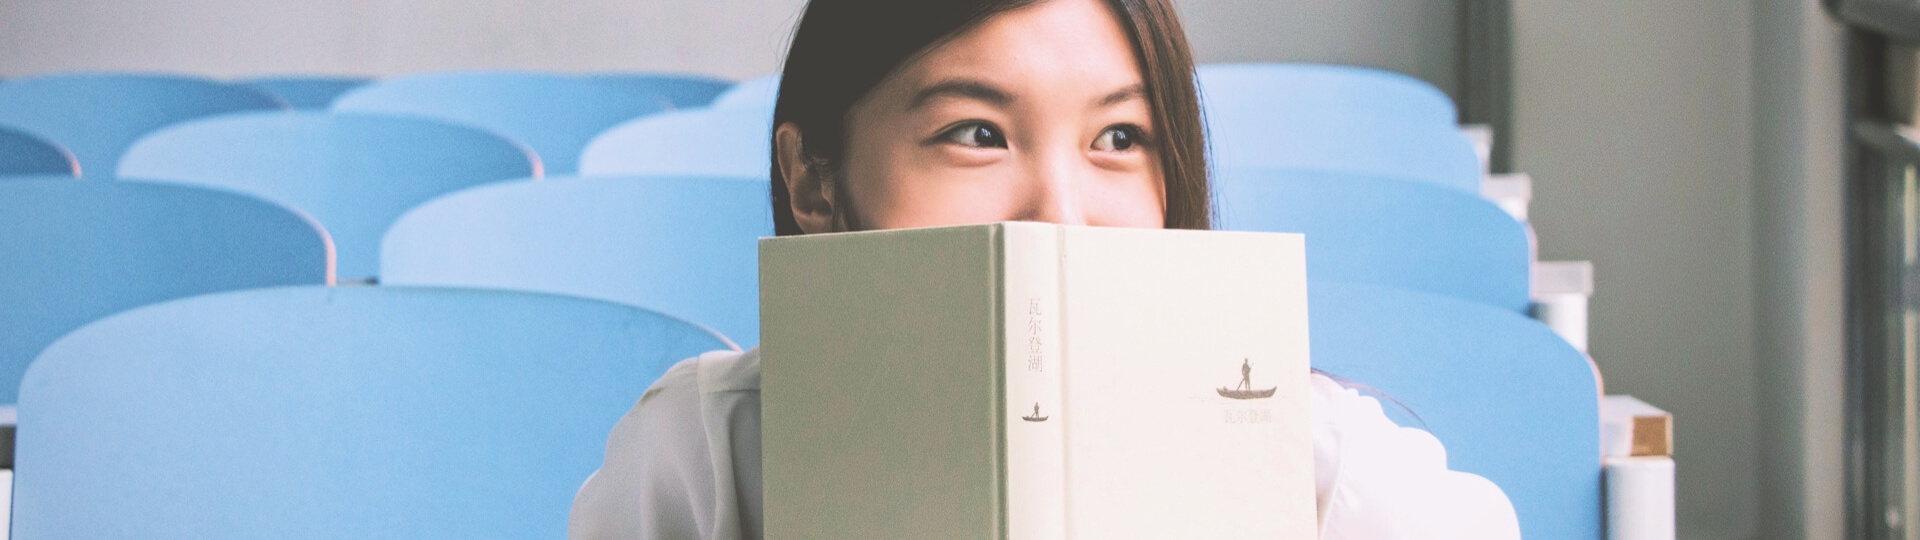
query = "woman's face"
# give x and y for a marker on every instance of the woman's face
(1037, 114)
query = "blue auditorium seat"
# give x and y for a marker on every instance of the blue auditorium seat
(703, 142)
(685, 246)
(72, 252)
(1345, 90)
(354, 173)
(554, 114)
(97, 115)
(755, 93)
(324, 413)
(1390, 232)
(22, 154)
(1304, 121)
(681, 89)
(305, 92)
(1509, 399)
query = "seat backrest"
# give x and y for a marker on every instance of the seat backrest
(1320, 127)
(22, 154)
(354, 173)
(685, 246)
(305, 92)
(1323, 89)
(554, 114)
(1508, 398)
(97, 115)
(701, 142)
(683, 90)
(319, 412)
(1400, 233)
(74, 251)
(757, 93)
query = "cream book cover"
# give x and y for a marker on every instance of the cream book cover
(1033, 381)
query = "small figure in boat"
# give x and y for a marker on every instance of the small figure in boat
(1035, 417)
(1245, 389)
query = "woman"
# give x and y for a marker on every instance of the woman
(905, 114)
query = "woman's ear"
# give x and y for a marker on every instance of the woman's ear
(809, 192)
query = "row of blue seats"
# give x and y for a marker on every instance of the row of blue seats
(319, 412)
(98, 116)
(1302, 117)
(316, 92)
(358, 174)
(685, 246)
(1298, 116)
(272, 155)
(1370, 223)
(633, 239)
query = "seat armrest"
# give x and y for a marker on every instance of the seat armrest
(1560, 293)
(1640, 500)
(1632, 428)
(1513, 192)
(1637, 450)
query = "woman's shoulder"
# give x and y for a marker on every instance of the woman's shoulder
(729, 371)
(680, 405)
(659, 478)
(1377, 479)
(672, 411)
(710, 372)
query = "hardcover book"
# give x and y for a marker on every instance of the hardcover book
(1033, 381)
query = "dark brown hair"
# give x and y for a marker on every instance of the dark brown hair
(844, 48)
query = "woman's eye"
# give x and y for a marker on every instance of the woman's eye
(976, 134)
(1117, 139)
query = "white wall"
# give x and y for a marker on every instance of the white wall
(1635, 119)
(733, 38)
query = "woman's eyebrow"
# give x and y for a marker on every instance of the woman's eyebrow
(1130, 92)
(965, 88)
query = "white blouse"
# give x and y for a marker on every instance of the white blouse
(685, 464)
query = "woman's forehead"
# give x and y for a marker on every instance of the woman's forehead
(1061, 46)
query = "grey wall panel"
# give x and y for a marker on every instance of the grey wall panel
(1635, 120)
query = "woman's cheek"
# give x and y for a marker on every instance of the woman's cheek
(1137, 205)
(967, 196)
(915, 191)
(1136, 198)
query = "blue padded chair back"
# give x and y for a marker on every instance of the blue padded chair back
(96, 116)
(554, 114)
(683, 90)
(1325, 130)
(699, 142)
(317, 412)
(305, 92)
(1509, 399)
(685, 246)
(72, 252)
(23, 154)
(354, 173)
(756, 93)
(1401, 233)
(1348, 90)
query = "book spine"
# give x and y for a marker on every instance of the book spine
(1035, 495)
